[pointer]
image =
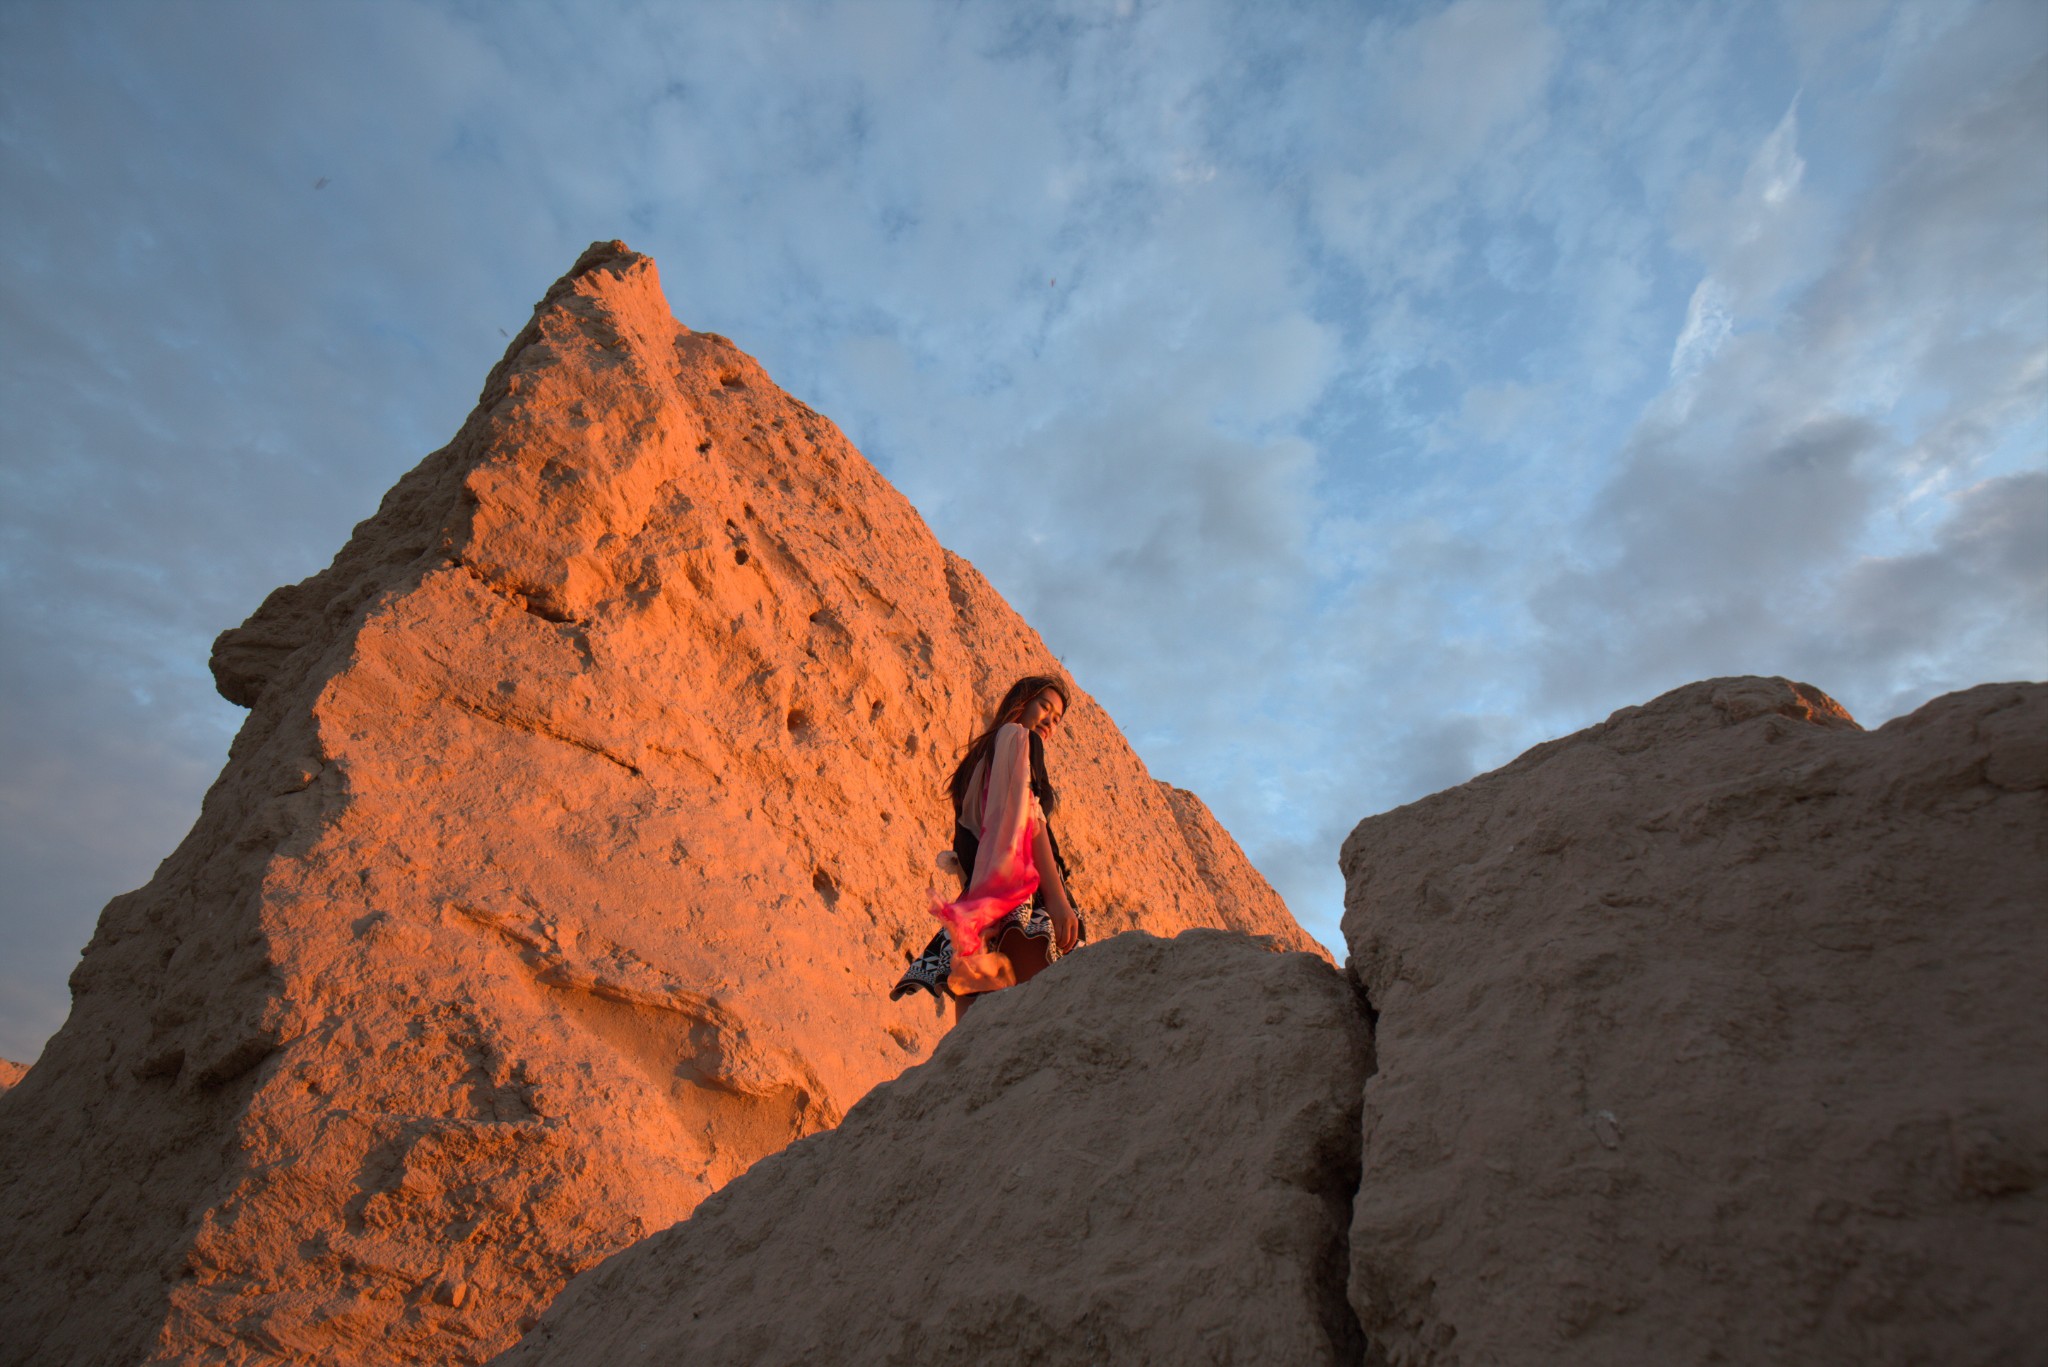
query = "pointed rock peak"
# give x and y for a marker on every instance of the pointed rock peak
(584, 816)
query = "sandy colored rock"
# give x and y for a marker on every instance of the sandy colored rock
(1714, 1033)
(583, 817)
(1145, 1155)
(11, 1073)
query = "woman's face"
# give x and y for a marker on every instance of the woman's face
(1042, 714)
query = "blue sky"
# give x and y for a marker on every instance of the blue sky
(1353, 394)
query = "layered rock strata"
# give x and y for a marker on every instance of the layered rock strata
(1146, 1154)
(1714, 1033)
(583, 816)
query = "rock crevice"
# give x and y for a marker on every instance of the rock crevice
(1708, 1034)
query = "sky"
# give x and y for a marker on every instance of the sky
(1353, 395)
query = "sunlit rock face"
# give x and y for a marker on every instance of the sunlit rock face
(584, 814)
(11, 1073)
(1709, 1034)
(1144, 1155)
(1714, 1033)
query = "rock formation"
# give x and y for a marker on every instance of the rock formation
(11, 1073)
(584, 814)
(1714, 1033)
(1145, 1155)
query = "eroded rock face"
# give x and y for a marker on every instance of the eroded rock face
(583, 817)
(1714, 1033)
(11, 1073)
(1144, 1155)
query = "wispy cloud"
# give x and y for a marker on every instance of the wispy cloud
(1353, 396)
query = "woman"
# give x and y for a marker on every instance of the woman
(1013, 917)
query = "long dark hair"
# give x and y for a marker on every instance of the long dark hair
(1010, 709)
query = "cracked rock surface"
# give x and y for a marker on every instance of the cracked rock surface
(584, 814)
(1145, 1155)
(1714, 1033)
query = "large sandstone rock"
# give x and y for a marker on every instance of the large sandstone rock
(583, 817)
(1714, 1033)
(1145, 1155)
(11, 1073)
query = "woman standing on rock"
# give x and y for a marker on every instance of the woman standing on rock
(1013, 917)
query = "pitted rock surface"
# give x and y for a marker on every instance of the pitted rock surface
(1144, 1155)
(1714, 1033)
(583, 817)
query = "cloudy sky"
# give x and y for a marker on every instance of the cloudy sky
(1353, 394)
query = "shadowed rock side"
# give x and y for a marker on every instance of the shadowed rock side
(1714, 1033)
(583, 816)
(1145, 1155)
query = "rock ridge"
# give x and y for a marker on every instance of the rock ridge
(1146, 1154)
(583, 815)
(1710, 1033)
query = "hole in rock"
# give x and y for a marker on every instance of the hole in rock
(799, 723)
(739, 557)
(822, 884)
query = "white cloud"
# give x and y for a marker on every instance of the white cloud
(1384, 393)
(1772, 177)
(1707, 325)
(1760, 500)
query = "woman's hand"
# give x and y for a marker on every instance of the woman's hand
(1066, 927)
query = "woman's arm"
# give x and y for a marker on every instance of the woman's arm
(1005, 869)
(1054, 887)
(1006, 811)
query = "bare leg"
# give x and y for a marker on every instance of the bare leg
(1026, 953)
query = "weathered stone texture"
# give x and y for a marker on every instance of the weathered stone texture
(1714, 1033)
(584, 814)
(1145, 1155)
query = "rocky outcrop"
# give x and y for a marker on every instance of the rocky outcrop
(11, 1073)
(1146, 1154)
(585, 812)
(584, 815)
(1709, 1034)
(1714, 1034)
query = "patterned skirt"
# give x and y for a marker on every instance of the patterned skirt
(1026, 935)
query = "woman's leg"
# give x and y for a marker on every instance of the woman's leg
(1026, 953)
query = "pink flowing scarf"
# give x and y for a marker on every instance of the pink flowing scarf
(1004, 873)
